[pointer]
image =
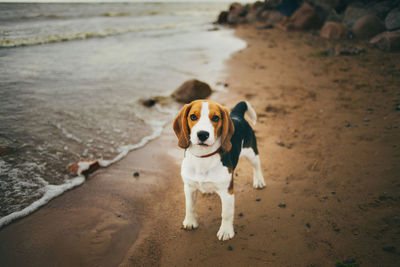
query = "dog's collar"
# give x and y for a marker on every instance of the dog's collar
(211, 154)
(207, 155)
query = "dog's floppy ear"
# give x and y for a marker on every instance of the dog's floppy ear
(181, 127)
(227, 129)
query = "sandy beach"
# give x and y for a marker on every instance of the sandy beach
(329, 139)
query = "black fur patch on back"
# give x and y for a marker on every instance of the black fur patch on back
(243, 134)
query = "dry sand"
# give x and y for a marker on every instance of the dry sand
(329, 140)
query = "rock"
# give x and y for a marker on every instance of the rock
(337, 5)
(136, 174)
(241, 214)
(381, 9)
(334, 30)
(282, 205)
(223, 17)
(388, 41)
(280, 143)
(258, 199)
(230, 248)
(348, 50)
(254, 12)
(191, 90)
(3, 150)
(367, 27)
(305, 18)
(392, 21)
(332, 15)
(270, 16)
(84, 166)
(353, 13)
(149, 102)
(237, 14)
(349, 261)
(308, 225)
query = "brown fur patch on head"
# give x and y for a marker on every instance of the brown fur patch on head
(181, 128)
(227, 129)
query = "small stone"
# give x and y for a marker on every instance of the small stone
(258, 199)
(336, 230)
(366, 120)
(397, 107)
(280, 143)
(348, 125)
(241, 214)
(282, 205)
(149, 102)
(333, 193)
(390, 249)
(349, 261)
(292, 215)
(308, 225)
(251, 234)
(230, 248)
(135, 174)
(3, 150)
(275, 230)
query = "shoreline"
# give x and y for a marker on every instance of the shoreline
(104, 215)
(327, 130)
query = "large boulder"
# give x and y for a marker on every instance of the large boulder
(392, 20)
(334, 30)
(353, 13)
(270, 16)
(367, 27)
(388, 41)
(381, 9)
(254, 12)
(223, 17)
(191, 90)
(305, 18)
(237, 13)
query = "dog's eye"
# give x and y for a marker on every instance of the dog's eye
(193, 117)
(215, 118)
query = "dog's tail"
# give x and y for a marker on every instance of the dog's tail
(241, 108)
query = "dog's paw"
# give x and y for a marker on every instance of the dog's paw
(190, 224)
(225, 232)
(259, 183)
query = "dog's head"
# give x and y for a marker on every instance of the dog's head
(201, 122)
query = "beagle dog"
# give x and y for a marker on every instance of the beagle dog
(213, 140)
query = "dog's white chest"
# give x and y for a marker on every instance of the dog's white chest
(205, 174)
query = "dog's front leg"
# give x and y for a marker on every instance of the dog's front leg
(228, 209)
(190, 221)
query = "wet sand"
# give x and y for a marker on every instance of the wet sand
(329, 141)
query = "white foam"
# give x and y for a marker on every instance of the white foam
(55, 38)
(67, 134)
(51, 191)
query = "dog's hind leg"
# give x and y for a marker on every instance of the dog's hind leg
(254, 159)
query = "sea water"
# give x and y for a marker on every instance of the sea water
(72, 77)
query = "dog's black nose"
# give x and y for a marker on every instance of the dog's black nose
(203, 135)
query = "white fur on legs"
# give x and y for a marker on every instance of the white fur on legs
(228, 208)
(190, 221)
(258, 178)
